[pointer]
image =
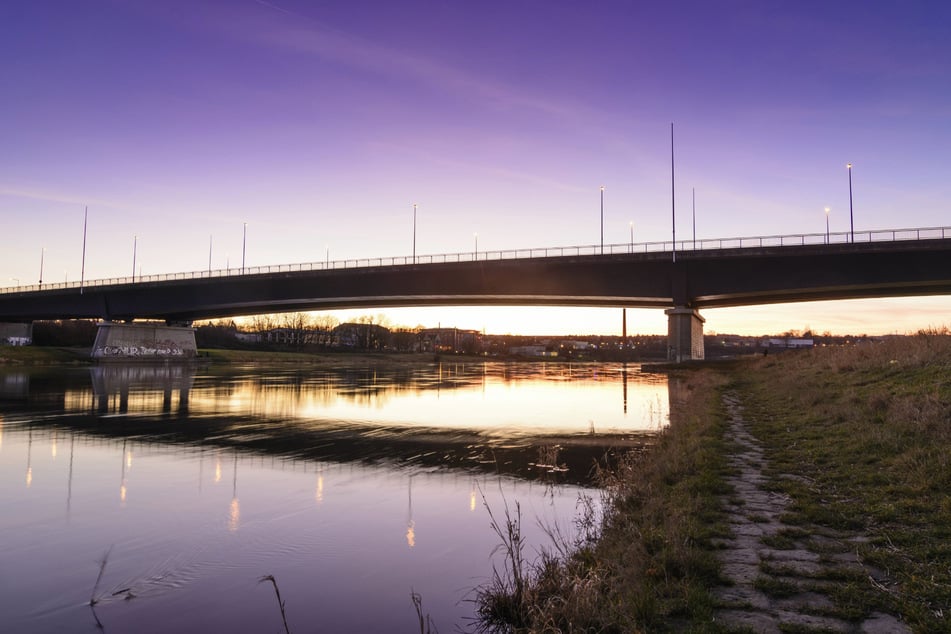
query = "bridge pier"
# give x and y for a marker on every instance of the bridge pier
(144, 341)
(13, 334)
(684, 334)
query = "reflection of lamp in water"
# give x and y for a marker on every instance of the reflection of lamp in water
(410, 524)
(319, 493)
(472, 497)
(69, 477)
(234, 511)
(122, 487)
(53, 445)
(29, 453)
(217, 469)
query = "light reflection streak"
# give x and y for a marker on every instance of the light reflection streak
(53, 445)
(234, 510)
(319, 493)
(410, 523)
(29, 459)
(122, 481)
(69, 477)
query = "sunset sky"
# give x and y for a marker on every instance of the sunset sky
(320, 124)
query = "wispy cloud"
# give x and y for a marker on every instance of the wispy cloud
(307, 35)
(14, 191)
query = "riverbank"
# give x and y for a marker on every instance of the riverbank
(800, 492)
(53, 355)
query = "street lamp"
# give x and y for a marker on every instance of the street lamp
(475, 254)
(135, 244)
(414, 233)
(42, 255)
(632, 236)
(210, 240)
(17, 280)
(244, 243)
(602, 219)
(827, 225)
(851, 222)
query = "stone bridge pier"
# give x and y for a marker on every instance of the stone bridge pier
(684, 334)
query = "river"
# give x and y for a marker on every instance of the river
(166, 492)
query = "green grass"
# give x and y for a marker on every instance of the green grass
(36, 355)
(868, 429)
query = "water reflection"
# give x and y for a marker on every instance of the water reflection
(355, 481)
(549, 421)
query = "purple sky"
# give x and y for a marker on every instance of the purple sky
(321, 123)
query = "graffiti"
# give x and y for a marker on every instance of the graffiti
(139, 351)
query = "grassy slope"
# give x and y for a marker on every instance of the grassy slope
(866, 429)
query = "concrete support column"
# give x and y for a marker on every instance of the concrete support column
(144, 341)
(684, 334)
(16, 334)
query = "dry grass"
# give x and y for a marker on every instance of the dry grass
(647, 565)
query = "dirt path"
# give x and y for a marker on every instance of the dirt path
(782, 576)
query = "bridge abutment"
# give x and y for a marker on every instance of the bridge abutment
(13, 334)
(144, 341)
(684, 334)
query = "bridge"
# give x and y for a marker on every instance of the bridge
(682, 278)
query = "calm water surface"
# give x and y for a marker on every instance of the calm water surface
(352, 485)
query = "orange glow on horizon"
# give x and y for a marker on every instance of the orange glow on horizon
(896, 315)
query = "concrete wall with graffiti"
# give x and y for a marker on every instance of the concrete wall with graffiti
(143, 341)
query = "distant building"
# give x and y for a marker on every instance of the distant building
(361, 336)
(787, 343)
(449, 340)
(577, 345)
(532, 351)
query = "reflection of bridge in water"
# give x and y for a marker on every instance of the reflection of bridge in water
(289, 413)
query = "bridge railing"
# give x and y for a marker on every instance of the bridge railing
(703, 244)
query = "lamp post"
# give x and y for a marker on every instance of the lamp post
(17, 280)
(694, 216)
(82, 268)
(42, 256)
(328, 255)
(414, 233)
(673, 205)
(827, 225)
(851, 222)
(602, 219)
(632, 236)
(244, 244)
(135, 244)
(475, 254)
(210, 239)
